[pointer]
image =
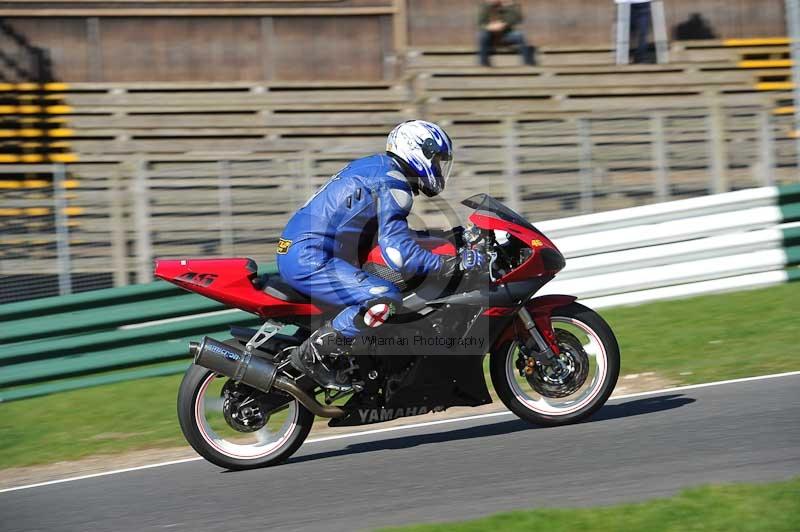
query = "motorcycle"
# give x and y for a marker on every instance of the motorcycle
(552, 361)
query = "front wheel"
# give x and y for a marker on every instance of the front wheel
(575, 386)
(237, 427)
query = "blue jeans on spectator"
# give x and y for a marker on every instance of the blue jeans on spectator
(488, 40)
(640, 26)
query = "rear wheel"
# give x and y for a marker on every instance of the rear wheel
(237, 427)
(573, 388)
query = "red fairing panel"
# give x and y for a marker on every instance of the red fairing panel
(534, 266)
(541, 309)
(495, 312)
(437, 246)
(229, 281)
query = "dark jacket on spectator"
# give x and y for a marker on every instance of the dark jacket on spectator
(510, 14)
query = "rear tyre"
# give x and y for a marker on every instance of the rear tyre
(574, 389)
(208, 426)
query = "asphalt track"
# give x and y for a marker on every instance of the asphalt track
(633, 449)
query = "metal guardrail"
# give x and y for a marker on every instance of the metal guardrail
(648, 253)
(112, 335)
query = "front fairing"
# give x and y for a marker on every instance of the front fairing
(545, 258)
(484, 203)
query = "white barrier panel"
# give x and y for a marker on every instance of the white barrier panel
(668, 232)
(672, 274)
(692, 250)
(660, 212)
(729, 284)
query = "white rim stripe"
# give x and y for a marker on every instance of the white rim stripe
(228, 448)
(601, 362)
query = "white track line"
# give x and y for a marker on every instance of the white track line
(406, 427)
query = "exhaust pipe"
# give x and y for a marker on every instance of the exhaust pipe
(287, 385)
(255, 372)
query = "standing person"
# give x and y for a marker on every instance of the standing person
(496, 20)
(641, 16)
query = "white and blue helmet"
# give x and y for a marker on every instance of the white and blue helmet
(427, 150)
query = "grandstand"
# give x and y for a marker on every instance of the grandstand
(195, 128)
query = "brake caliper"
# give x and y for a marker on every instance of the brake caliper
(526, 363)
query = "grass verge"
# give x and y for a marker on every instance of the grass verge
(711, 338)
(741, 507)
(697, 340)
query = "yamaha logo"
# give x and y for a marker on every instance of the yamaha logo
(376, 415)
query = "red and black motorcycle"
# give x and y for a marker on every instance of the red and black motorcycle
(552, 360)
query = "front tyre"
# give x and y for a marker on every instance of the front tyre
(237, 427)
(572, 389)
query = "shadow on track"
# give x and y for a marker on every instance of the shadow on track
(637, 407)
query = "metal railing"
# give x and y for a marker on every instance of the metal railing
(101, 224)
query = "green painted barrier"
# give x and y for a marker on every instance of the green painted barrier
(93, 362)
(788, 194)
(792, 255)
(105, 317)
(65, 343)
(790, 212)
(76, 344)
(95, 298)
(65, 385)
(791, 236)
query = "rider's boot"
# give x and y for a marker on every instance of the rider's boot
(316, 355)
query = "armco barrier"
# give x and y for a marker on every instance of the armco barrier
(716, 286)
(664, 212)
(744, 239)
(738, 240)
(677, 252)
(62, 343)
(94, 299)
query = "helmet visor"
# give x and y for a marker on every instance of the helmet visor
(443, 164)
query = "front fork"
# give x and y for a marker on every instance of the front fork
(544, 349)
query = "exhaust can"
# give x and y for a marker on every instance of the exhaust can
(238, 365)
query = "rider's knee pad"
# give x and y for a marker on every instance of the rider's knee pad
(375, 313)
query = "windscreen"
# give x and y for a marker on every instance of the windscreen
(484, 202)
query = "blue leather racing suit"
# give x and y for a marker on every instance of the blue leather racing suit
(319, 250)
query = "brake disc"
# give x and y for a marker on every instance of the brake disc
(567, 374)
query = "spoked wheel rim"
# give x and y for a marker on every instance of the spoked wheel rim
(223, 438)
(591, 350)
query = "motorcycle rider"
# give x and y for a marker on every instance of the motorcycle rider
(318, 253)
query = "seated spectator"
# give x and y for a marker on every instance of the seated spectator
(497, 20)
(640, 27)
(695, 28)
